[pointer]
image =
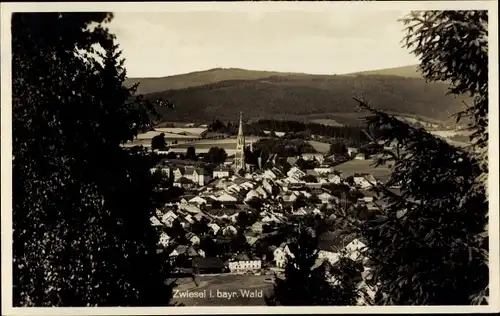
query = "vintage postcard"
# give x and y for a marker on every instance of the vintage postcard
(249, 157)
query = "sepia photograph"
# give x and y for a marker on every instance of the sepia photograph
(249, 155)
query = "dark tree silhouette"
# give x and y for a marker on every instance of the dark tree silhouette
(158, 142)
(216, 155)
(430, 247)
(191, 153)
(305, 282)
(81, 203)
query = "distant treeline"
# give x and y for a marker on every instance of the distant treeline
(352, 135)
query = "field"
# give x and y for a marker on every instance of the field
(320, 147)
(328, 122)
(351, 167)
(211, 286)
(227, 143)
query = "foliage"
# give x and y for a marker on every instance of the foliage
(158, 142)
(429, 247)
(308, 97)
(81, 203)
(305, 282)
(337, 148)
(216, 155)
(191, 153)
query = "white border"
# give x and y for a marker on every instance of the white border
(6, 149)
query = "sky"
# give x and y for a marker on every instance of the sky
(157, 44)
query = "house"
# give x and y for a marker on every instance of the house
(269, 174)
(351, 151)
(334, 178)
(183, 250)
(164, 168)
(280, 257)
(243, 266)
(313, 156)
(164, 239)
(198, 200)
(360, 156)
(222, 172)
(296, 173)
(324, 170)
(325, 197)
(178, 173)
(251, 195)
(364, 181)
(155, 221)
(257, 227)
(193, 239)
(184, 182)
(214, 227)
(207, 265)
(354, 249)
(169, 218)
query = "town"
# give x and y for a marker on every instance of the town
(236, 218)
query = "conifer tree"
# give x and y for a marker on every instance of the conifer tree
(429, 247)
(81, 203)
(305, 281)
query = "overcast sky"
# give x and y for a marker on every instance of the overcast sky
(331, 42)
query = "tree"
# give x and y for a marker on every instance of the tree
(191, 153)
(242, 220)
(430, 247)
(81, 203)
(216, 155)
(305, 282)
(337, 148)
(158, 142)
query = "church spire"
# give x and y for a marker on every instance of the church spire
(239, 157)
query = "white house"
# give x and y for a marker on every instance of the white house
(168, 218)
(222, 172)
(333, 178)
(325, 197)
(257, 227)
(245, 266)
(198, 200)
(313, 156)
(268, 174)
(214, 227)
(155, 221)
(193, 239)
(323, 169)
(351, 151)
(353, 249)
(360, 156)
(364, 181)
(279, 257)
(178, 173)
(331, 256)
(296, 173)
(252, 194)
(164, 239)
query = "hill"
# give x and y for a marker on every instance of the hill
(200, 78)
(308, 97)
(406, 71)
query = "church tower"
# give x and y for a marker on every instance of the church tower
(239, 157)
